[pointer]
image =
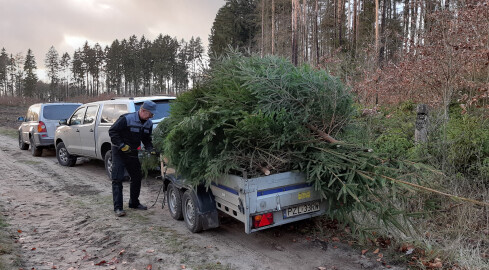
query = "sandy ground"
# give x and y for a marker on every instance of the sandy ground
(62, 218)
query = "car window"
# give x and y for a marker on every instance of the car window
(33, 113)
(77, 117)
(90, 115)
(58, 112)
(162, 108)
(111, 112)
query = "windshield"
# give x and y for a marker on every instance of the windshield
(59, 112)
(162, 107)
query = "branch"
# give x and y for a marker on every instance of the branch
(428, 189)
(322, 134)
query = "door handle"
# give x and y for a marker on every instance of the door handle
(91, 130)
(77, 130)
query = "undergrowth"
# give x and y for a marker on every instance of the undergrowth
(452, 232)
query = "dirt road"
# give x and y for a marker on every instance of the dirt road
(62, 218)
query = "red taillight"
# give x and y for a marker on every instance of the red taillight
(41, 127)
(262, 220)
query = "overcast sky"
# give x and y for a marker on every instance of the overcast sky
(67, 24)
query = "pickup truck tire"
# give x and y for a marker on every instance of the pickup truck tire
(22, 145)
(190, 212)
(108, 163)
(174, 200)
(36, 151)
(64, 158)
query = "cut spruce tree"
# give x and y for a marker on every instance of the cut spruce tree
(257, 116)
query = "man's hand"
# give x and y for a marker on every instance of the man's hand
(153, 152)
(126, 148)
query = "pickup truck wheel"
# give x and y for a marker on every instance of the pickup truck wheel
(174, 200)
(108, 163)
(190, 215)
(36, 151)
(22, 145)
(64, 158)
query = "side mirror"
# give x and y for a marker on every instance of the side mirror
(21, 119)
(63, 122)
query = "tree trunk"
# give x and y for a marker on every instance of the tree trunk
(376, 28)
(316, 39)
(273, 27)
(295, 11)
(305, 31)
(382, 34)
(413, 17)
(262, 27)
(406, 27)
(340, 16)
(355, 29)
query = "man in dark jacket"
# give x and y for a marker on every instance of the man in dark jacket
(126, 135)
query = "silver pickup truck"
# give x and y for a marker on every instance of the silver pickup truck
(86, 132)
(260, 203)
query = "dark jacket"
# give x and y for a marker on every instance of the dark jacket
(130, 130)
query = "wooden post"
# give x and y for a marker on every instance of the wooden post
(422, 122)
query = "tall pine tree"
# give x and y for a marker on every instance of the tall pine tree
(30, 74)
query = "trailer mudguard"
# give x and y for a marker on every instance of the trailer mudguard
(207, 207)
(205, 200)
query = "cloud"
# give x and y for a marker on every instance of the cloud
(66, 24)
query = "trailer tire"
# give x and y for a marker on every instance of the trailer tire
(190, 213)
(174, 201)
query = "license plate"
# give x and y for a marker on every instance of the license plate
(301, 209)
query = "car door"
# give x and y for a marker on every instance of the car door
(87, 131)
(71, 135)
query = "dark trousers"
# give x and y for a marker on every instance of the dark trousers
(130, 162)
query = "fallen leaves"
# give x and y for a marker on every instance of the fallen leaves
(406, 247)
(103, 262)
(434, 264)
(418, 256)
(383, 242)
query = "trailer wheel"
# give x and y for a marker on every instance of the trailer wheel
(190, 215)
(174, 200)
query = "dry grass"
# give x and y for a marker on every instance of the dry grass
(455, 232)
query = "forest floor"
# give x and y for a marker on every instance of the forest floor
(57, 217)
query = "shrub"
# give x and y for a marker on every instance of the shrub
(395, 145)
